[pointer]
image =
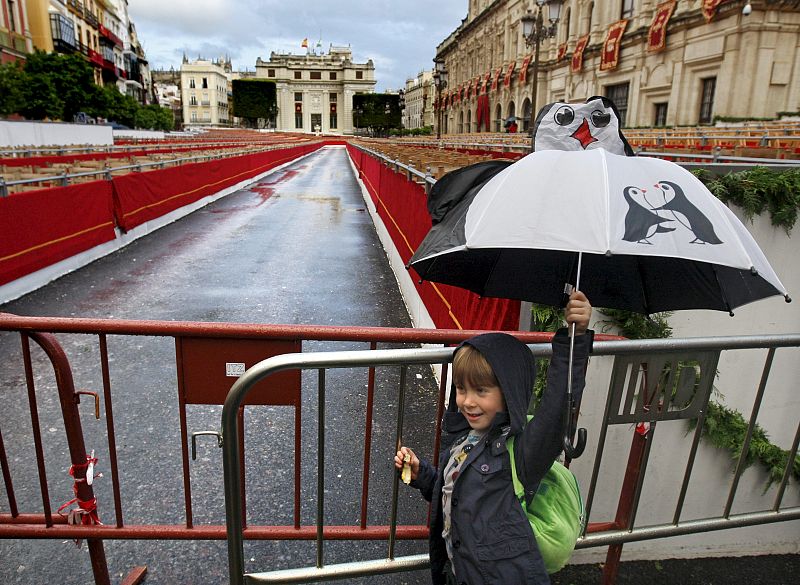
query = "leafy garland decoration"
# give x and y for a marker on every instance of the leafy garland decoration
(724, 427)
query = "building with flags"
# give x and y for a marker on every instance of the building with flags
(662, 62)
(315, 91)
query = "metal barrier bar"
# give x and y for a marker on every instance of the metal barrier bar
(613, 535)
(788, 471)
(749, 434)
(401, 406)
(112, 436)
(367, 441)
(12, 498)
(320, 465)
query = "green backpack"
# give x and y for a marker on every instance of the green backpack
(555, 512)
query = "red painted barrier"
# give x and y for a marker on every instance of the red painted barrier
(40, 228)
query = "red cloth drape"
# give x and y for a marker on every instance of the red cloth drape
(509, 74)
(40, 228)
(562, 51)
(577, 56)
(523, 72)
(657, 35)
(140, 197)
(609, 59)
(710, 9)
(402, 206)
(497, 73)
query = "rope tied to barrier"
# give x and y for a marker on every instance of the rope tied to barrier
(86, 512)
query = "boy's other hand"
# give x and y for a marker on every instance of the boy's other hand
(578, 311)
(399, 459)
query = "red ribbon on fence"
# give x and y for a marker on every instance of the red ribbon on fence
(86, 512)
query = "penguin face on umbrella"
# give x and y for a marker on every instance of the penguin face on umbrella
(579, 126)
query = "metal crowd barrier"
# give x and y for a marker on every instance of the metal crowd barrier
(652, 382)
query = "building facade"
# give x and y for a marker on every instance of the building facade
(315, 91)
(102, 32)
(167, 92)
(15, 35)
(419, 97)
(662, 62)
(204, 90)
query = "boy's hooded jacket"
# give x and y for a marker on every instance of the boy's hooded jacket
(492, 539)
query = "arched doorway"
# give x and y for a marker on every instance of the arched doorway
(498, 118)
(468, 129)
(460, 122)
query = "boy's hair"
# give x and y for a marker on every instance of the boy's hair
(471, 367)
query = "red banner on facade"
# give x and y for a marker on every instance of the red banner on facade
(509, 73)
(710, 9)
(496, 79)
(610, 55)
(523, 72)
(562, 51)
(657, 36)
(577, 56)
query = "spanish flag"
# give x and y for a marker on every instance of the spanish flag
(304, 44)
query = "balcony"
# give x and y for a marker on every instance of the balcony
(109, 35)
(95, 58)
(63, 34)
(90, 18)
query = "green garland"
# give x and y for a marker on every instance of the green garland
(759, 190)
(724, 427)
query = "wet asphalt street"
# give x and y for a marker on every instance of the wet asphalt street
(298, 247)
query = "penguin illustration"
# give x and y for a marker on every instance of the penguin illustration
(580, 126)
(641, 222)
(678, 203)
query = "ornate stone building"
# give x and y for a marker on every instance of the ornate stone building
(419, 96)
(663, 62)
(204, 91)
(315, 91)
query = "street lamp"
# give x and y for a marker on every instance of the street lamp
(440, 81)
(534, 32)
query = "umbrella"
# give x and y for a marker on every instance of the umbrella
(647, 234)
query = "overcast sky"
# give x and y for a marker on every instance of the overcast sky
(400, 36)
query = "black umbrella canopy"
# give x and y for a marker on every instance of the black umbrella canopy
(667, 284)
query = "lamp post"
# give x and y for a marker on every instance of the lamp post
(440, 81)
(534, 32)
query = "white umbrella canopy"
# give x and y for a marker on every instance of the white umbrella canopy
(652, 237)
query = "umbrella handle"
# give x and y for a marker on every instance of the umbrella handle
(576, 450)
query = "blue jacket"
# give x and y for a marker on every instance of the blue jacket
(493, 542)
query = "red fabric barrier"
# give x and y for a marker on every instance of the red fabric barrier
(141, 197)
(44, 161)
(401, 204)
(40, 228)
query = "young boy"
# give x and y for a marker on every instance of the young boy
(479, 532)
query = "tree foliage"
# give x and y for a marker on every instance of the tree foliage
(379, 111)
(54, 86)
(254, 99)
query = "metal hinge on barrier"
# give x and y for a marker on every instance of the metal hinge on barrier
(194, 441)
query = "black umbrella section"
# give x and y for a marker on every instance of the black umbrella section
(644, 284)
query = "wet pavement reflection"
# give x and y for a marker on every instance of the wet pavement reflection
(297, 247)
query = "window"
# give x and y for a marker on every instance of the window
(298, 119)
(191, 83)
(298, 96)
(205, 83)
(707, 101)
(661, 114)
(11, 18)
(62, 30)
(298, 75)
(619, 95)
(359, 75)
(333, 75)
(332, 98)
(270, 73)
(627, 9)
(316, 75)
(193, 101)
(333, 122)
